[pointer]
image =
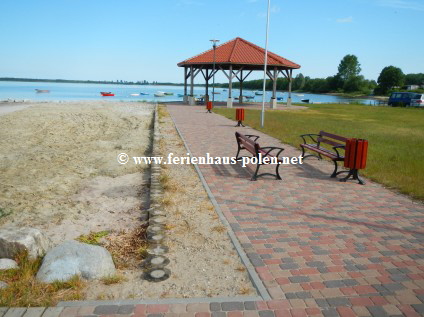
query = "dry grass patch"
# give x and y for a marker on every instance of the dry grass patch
(25, 291)
(113, 279)
(128, 248)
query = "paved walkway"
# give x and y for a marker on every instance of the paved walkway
(320, 247)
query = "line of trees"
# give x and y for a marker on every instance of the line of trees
(347, 80)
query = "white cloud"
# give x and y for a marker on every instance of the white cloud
(402, 4)
(345, 20)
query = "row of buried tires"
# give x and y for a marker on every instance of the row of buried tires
(155, 263)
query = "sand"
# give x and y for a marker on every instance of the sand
(59, 173)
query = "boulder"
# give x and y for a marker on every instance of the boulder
(75, 258)
(3, 285)
(7, 264)
(14, 240)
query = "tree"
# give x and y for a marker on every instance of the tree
(349, 67)
(390, 77)
(298, 82)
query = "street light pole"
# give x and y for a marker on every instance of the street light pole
(213, 71)
(265, 65)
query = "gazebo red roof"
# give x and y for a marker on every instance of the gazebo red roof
(240, 52)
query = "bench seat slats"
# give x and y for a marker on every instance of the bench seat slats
(322, 151)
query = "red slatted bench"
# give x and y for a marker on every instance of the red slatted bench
(248, 142)
(337, 143)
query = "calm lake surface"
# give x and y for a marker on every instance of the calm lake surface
(65, 91)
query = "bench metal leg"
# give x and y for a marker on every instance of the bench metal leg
(277, 173)
(335, 170)
(255, 176)
(354, 173)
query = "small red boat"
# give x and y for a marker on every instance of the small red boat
(107, 93)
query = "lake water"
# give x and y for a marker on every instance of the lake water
(66, 91)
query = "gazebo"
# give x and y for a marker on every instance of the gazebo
(236, 59)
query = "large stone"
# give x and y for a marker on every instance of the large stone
(74, 258)
(7, 264)
(3, 285)
(14, 240)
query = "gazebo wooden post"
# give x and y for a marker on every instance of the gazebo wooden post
(274, 89)
(191, 97)
(185, 85)
(230, 88)
(290, 86)
(207, 87)
(241, 87)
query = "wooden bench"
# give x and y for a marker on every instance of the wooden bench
(337, 143)
(248, 142)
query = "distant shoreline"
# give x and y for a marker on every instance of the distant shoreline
(71, 81)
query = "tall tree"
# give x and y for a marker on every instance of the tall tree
(390, 77)
(349, 67)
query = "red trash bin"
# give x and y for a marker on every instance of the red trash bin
(356, 152)
(239, 116)
(209, 106)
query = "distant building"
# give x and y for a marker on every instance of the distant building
(412, 87)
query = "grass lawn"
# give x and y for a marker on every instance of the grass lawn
(395, 136)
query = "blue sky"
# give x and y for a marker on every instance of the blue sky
(144, 40)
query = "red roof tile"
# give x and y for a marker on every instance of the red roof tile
(239, 51)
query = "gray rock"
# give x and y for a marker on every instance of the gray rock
(3, 285)
(14, 240)
(7, 264)
(74, 258)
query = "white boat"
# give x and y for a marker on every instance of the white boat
(299, 95)
(134, 94)
(259, 93)
(160, 94)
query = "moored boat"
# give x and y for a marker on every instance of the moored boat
(107, 94)
(259, 93)
(305, 100)
(249, 97)
(168, 93)
(143, 93)
(134, 94)
(42, 91)
(159, 94)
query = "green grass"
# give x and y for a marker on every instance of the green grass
(395, 136)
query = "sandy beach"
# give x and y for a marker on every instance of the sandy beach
(59, 173)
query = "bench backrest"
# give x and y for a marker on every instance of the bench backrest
(331, 139)
(247, 143)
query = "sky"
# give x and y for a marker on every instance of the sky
(135, 40)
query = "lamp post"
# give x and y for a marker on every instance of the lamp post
(213, 71)
(265, 64)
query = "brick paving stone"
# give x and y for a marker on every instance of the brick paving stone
(180, 308)
(106, 310)
(157, 308)
(126, 309)
(250, 313)
(249, 305)
(235, 314)
(377, 311)
(195, 307)
(219, 314)
(266, 313)
(215, 307)
(229, 306)
(203, 314)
